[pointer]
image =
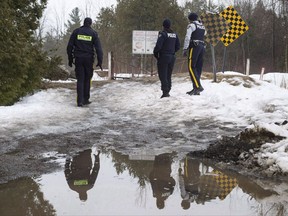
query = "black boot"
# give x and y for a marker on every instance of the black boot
(195, 91)
(165, 94)
(87, 102)
(190, 92)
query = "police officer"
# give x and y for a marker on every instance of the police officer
(194, 48)
(81, 46)
(166, 46)
(162, 182)
(81, 173)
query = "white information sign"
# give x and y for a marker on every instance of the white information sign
(143, 42)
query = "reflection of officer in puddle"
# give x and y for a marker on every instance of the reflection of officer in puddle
(161, 181)
(81, 174)
(189, 182)
(205, 186)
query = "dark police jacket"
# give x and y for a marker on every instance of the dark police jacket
(198, 34)
(82, 42)
(167, 43)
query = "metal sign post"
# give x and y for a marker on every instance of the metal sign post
(224, 60)
(213, 63)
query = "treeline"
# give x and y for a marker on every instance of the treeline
(28, 53)
(265, 44)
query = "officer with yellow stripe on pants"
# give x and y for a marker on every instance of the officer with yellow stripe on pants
(194, 48)
(81, 46)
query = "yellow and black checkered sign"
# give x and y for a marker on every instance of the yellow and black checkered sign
(237, 28)
(216, 26)
(226, 183)
(215, 184)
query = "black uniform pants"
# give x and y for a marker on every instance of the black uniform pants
(165, 65)
(84, 74)
(195, 64)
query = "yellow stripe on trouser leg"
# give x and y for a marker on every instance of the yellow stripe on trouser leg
(186, 167)
(191, 69)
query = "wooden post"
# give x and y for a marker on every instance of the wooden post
(109, 65)
(248, 67)
(152, 64)
(141, 64)
(262, 73)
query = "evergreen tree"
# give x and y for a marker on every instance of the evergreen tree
(105, 26)
(56, 45)
(132, 15)
(198, 7)
(74, 22)
(142, 15)
(21, 61)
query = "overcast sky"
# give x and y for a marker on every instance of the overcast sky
(57, 11)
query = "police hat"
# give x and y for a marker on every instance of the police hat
(87, 21)
(166, 23)
(192, 16)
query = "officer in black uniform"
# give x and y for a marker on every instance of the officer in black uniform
(194, 48)
(166, 46)
(81, 46)
(81, 173)
(162, 182)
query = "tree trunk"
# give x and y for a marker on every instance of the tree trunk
(273, 36)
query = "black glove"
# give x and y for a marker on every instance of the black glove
(156, 55)
(99, 65)
(185, 52)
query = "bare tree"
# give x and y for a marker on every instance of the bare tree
(39, 33)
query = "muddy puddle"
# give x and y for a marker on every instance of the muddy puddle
(105, 182)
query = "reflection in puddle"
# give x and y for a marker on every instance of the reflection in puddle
(23, 197)
(126, 185)
(81, 174)
(201, 187)
(160, 179)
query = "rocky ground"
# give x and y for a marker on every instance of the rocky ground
(238, 153)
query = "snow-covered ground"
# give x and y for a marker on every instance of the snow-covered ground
(231, 103)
